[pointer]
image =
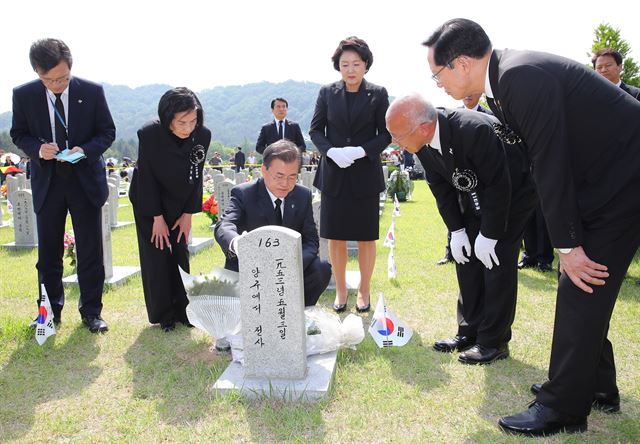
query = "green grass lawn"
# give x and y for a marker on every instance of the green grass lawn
(139, 384)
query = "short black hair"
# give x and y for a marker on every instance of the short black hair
(48, 53)
(353, 43)
(458, 37)
(178, 100)
(282, 149)
(607, 52)
(279, 99)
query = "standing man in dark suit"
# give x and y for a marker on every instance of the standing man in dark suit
(280, 128)
(59, 111)
(275, 199)
(584, 144)
(484, 197)
(608, 63)
(471, 103)
(239, 159)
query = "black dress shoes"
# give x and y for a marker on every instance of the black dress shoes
(540, 420)
(545, 267)
(449, 345)
(605, 402)
(95, 324)
(479, 354)
(168, 326)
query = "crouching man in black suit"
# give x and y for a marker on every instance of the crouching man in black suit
(485, 195)
(275, 199)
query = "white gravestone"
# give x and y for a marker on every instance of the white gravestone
(223, 195)
(256, 173)
(197, 244)
(241, 177)
(24, 221)
(113, 201)
(2, 222)
(22, 181)
(113, 275)
(217, 178)
(229, 174)
(385, 171)
(272, 303)
(306, 179)
(323, 250)
(27, 184)
(12, 187)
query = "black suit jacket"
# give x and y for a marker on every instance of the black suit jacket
(90, 127)
(269, 134)
(580, 130)
(333, 127)
(630, 89)
(250, 207)
(505, 191)
(239, 159)
(160, 183)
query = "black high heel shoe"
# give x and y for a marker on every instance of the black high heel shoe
(339, 308)
(363, 309)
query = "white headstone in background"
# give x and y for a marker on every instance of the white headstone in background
(272, 303)
(22, 181)
(241, 177)
(223, 195)
(27, 184)
(24, 219)
(306, 178)
(256, 173)
(107, 253)
(113, 204)
(217, 178)
(229, 173)
(323, 250)
(12, 187)
(385, 171)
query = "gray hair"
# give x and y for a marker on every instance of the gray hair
(414, 108)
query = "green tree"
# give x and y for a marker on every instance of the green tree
(606, 36)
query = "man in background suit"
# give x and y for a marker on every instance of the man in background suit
(471, 103)
(484, 197)
(583, 141)
(608, 63)
(280, 128)
(276, 199)
(239, 159)
(59, 111)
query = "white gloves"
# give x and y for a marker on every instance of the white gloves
(233, 245)
(485, 249)
(460, 241)
(345, 156)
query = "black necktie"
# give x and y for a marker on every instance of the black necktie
(278, 212)
(280, 132)
(63, 169)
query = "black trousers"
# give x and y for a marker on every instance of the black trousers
(487, 298)
(537, 244)
(164, 294)
(65, 195)
(582, 361)
(316, 279)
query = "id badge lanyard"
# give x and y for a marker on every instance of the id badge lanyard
(64, 125)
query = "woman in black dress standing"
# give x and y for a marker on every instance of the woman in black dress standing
(166, 189)
(348, 128)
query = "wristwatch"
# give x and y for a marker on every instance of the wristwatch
(565, 250)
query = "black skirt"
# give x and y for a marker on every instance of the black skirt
(347, 218)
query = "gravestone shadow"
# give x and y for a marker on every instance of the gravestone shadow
(35, 375)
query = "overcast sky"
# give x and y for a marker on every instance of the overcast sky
(216, 43)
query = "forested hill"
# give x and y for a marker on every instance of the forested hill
(233, 113)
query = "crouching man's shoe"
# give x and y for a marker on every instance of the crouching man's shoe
(479, 354)
(95, 324)
(540, 420)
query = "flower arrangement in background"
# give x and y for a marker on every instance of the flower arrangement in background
(210, 208)
(70, 248)
(3, 190)
(208, 185)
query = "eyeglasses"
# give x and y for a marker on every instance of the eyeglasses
(58, 81)
(397, 139)
(281, 178)
(446, 65)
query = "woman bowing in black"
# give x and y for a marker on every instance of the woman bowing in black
(166, 190)
(348, 128)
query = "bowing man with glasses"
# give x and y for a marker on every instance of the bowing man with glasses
(276, 199)
(166, 189)
(55, 113)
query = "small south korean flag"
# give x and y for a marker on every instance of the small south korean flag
(391, 265)
(390, 238)
(44, 323)
(396, 206)
(386, 329)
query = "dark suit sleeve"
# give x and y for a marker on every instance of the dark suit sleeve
(299, 140)
(262, 140)
(105, 130)
(446, 196)
(375, 146)
(317, 129)
(20, 133)
(228, 226)
(489, 161)
(148, 192)
(310, 240)
(536, 101)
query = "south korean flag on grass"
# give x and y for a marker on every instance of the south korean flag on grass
(386, 329)
(44, 323)
(390, 238)
(396, 205)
